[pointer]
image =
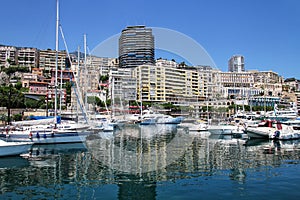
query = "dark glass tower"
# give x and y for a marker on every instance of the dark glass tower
(136, 47)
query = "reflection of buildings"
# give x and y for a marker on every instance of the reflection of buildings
(136, 189)
(185, 154)
(135, 150)
(170, 157)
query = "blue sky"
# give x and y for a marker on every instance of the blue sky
(266, 32)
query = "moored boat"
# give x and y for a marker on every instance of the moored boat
(225, 129)
(196, 126)
(270, 129)
(47, 137)
(13, 148)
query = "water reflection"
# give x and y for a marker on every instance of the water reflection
(133, 161)
(13, 162)
(140, 149)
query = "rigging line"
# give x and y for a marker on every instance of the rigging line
(77, 86)
(90, 56)
(63, 37)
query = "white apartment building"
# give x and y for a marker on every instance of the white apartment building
(166, 63)
(28, 57)
(237, 84)
(169, 84)
(122, 86)
(8, 55)
(269, 82)
(236, 64)
(252, 83)
(47, 59)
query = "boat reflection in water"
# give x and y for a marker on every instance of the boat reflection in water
(277, 147)
(13, 162)
(156, 162)
(140, 149)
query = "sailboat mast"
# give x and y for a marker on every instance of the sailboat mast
(141, 98)
(112, 114)
(85, 73)
(56, 60)
(61, 88)
(78, 80)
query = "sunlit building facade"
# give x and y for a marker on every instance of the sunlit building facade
(236, 64)
(169, 84)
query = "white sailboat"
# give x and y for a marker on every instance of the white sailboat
(13, 148)
(67, 132)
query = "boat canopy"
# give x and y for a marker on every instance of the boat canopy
(37, 120)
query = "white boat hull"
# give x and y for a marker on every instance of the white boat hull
(270, 133)
(194, 127)
(225, 129)
(13, 148)
(259, 133)
(48, 137)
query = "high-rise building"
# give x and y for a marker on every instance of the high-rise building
(136, 47)
(236, 64)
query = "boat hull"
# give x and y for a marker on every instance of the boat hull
(259, 133)
(49, 138)
(224, 129)
(14, 148)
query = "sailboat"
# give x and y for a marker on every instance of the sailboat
(67, 132)
(13, 148)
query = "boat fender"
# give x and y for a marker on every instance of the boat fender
(44, 136)
(37, 135)
(30, 135)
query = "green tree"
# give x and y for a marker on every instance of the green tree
(17, 117)
(18, 85)
(12, 69)
(10, 97)
(104, 78)
(93, 100)
(168, 106)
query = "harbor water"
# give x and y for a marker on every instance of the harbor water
(155, 162)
